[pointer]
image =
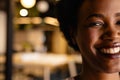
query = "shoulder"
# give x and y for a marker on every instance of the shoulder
(74, 78)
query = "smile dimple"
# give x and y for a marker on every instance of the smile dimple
(113, 50)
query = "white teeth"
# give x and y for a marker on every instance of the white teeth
(111, 50)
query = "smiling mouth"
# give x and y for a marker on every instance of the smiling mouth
(111, 53)
(114, 50)
(111, 50)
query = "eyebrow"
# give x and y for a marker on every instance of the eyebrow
(98, 15)
(101, 16)
(117, 14)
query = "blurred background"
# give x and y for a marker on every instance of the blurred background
(31, 45)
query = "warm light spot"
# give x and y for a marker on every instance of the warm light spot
(28, 3)
(51, 21)
(23, 12)
(43, 6)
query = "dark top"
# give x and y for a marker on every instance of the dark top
(74, 78)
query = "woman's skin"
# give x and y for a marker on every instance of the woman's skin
(98, 37)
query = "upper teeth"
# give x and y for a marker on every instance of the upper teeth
(111, 50)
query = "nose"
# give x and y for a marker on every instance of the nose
(111, 33)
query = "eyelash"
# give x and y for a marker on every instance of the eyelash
(118, 22)
(99, 24)
(95, 24)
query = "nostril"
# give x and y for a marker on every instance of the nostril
(108, 38)
(119, 32)
(111, 34)
(111, 37)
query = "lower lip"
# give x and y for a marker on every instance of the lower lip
(112, 56)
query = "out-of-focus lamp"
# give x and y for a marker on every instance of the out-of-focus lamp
(2, 32)
(23, 12)
(43, 6)
(57, 0)
(28, 3)
(51, 21)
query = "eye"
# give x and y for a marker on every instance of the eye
(118, 22)
(96, 24)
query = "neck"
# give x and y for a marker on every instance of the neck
(90, 74)
(100, 76)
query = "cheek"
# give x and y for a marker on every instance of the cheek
(87, 40)
(88, 37)
(93, 37)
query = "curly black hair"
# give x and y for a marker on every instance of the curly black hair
(67, 13)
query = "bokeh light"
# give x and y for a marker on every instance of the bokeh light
(28, 3)
(42, 6)
(23, 12)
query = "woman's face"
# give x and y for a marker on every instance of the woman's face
(98, 34)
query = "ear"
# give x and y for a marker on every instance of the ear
(74, 44)
(72, 38)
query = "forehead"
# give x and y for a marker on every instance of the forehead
(100, 6)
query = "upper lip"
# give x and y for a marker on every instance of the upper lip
(109, 45)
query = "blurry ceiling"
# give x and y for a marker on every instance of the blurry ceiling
(35, 15)
(2, 5)
(34, 10)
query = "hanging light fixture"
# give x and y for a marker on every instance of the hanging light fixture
(24, 12)
(43, 6)
(28, 3)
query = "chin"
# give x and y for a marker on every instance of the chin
(112, 71)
